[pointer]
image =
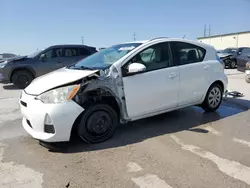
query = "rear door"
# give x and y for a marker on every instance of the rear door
(74, 54)
(194, 73)
(71, 55)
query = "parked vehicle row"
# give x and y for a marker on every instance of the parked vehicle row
(21, 70)
(122, 83)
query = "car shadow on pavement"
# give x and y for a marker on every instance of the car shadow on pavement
(185, 119)
(10, 87)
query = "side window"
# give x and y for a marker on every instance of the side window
(147, 55)
(52, 53)
(246, 51)
(185, 53)
(84, 52)
(70, 52)
(154, 57)
(47, 55)
(58, 52)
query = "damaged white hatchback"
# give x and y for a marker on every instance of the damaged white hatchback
(122, 83)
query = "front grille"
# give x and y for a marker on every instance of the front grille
(24, 103)
(49, 128)
(28, 122)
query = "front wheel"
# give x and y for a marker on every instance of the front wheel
(213, 98)
(232, 64)
(98, 123)
(22, 78)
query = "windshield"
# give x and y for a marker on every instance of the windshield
(106, 57)
(34, 54)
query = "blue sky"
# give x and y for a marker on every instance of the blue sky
(27, 25)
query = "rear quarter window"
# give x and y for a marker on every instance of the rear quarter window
(187, 53)
(84, 52)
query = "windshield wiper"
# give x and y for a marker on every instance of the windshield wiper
(85, 68)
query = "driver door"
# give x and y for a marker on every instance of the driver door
(50, 60)
(155, 89)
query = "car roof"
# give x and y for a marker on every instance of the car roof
(166, 39)
(70, 45)
(139, 41)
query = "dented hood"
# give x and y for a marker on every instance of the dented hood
(221, 55)
(55, 79)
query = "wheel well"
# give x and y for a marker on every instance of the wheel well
(219, 83)
(95, 96)
(21, 69)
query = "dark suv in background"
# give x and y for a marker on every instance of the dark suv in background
(23, 69)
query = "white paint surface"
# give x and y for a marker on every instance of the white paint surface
(19, 176)
(231, 168)
(150, 181)
(133, 167)
(246, 143)
(212, 130)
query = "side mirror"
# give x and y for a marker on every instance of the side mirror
(134, 68)
(42, 57)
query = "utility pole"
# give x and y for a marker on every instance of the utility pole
(134, 36)
(209, 31)
(205, 30)
(82, 40)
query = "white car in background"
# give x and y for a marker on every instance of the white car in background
(122, 83)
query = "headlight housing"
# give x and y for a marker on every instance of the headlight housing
(2, 65)
(59, 95)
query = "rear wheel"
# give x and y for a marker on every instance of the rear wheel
(22, 78)
(213, 98)
(98, 123)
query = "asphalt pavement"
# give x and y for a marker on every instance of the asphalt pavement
(183, 148)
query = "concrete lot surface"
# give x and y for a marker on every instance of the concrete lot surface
(184, 148)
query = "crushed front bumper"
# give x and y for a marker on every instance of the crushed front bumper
(48, 122)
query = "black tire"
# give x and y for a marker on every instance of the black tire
(232, 64)
(102, 114)
(22, 78)
(207, 104)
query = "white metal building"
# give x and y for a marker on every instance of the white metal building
(220, 42)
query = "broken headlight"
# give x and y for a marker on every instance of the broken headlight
(59, 95)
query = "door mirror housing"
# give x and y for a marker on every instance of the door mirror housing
(134, 68)
(42, 57)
